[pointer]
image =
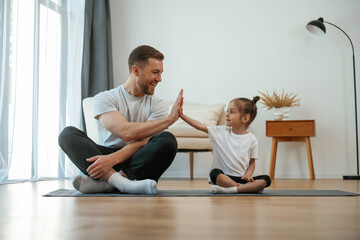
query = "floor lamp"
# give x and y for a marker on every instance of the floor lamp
(318, 28)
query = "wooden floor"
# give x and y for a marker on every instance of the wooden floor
(25, 214)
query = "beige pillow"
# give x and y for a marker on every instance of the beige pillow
(186, 131)
(206, 114)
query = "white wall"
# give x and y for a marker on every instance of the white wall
(218, 50)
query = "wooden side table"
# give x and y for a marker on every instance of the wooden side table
(290, 131)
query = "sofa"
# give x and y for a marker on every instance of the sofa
(190, 140)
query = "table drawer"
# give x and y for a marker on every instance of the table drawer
(291, 128)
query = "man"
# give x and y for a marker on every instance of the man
(134, 151)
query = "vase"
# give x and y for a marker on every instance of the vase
(281, 113)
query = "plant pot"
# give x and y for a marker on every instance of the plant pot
(281, 113)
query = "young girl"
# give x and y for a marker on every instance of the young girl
(235, 149)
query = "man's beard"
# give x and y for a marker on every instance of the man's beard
(144, 88)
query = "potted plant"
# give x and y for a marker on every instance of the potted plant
(280, 102)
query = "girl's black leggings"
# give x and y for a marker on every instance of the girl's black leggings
(215, 173)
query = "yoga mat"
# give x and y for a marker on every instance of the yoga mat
(206, 193)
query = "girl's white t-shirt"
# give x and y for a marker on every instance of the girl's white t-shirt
(232, 152)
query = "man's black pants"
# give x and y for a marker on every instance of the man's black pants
(150, 162)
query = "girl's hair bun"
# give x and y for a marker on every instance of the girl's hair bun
(255, 99)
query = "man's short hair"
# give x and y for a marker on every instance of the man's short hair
(141, 54)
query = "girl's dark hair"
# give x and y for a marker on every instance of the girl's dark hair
(141, 54)
(247, 106)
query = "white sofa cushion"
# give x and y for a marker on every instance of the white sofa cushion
(205, 114)
(186, 131)
(194, 143)
(209, 115)
(90, 121)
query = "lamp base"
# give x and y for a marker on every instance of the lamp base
(352, 177)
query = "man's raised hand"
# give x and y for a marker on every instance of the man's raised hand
(177, 107)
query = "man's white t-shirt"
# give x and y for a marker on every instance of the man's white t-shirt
(134, 109)
(232, 152)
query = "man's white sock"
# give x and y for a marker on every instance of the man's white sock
(218, 189)
(147, 186)
(86, 184)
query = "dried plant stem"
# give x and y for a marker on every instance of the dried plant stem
(278, 100)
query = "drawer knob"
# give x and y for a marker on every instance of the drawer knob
(290, 128)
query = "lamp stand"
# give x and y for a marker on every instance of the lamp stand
(352, 177)
(355, 177)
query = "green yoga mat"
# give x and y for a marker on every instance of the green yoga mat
(207, 193)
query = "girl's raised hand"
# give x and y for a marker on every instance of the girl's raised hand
(175, 111)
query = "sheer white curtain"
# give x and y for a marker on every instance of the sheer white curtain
(40, 86)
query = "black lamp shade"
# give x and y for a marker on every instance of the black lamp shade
(317, 27)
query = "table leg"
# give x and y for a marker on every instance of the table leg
(310, 160)
(273, 158)
(191, 165)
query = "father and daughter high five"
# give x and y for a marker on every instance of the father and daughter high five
(134, 150)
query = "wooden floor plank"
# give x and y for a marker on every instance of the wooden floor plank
(25, 214)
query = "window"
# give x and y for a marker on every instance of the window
(44, 64)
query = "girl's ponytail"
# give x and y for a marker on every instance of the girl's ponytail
(255, 99)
